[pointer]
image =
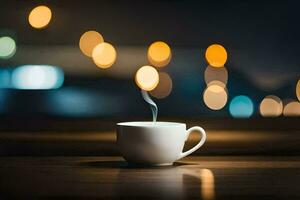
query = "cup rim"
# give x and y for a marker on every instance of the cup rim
(150, 124)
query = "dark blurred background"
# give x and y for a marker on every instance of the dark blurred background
(261, 39)
(54, 100)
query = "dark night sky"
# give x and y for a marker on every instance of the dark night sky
(237, 24)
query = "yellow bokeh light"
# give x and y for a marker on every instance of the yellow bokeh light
(104, 55)
(40, 17)
(292, 109)
(88, 41)
(271, 106)
(215, 74)
(147, 78)
(216, 55)
(164, 86)
(215, 97)
(159, 54)
(298, 89)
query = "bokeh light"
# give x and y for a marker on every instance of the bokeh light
(40, 17)
(241, 107)
(292, 109)
(33, 77)
(271, 106)
(159, 54)
(104, 55)
(215, 97)
(219, 83)
(298, 90)
(215, 74)
(7, 47)
(216, 55)
(88, 41)
(70, 101)
(147, 78)
(164, 87)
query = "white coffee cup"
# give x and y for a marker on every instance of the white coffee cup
(159, 143)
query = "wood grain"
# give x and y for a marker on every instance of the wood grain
(112, 178)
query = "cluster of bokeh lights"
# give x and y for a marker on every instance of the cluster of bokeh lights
(158, 84)
(273, 106)
(215, 95)
(149, 77)
(88, 41)
(92, 44)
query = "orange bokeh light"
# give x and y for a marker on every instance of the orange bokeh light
(104, 55)
(40, 17)
(216, 55)
(88, 41)
(159, 54)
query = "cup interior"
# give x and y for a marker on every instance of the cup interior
(150, 124)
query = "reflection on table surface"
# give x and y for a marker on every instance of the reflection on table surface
(112, 178)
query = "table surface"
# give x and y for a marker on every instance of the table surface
(103, 143)
(206, 178)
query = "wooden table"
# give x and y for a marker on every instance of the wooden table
(103, 143)
(112, 178)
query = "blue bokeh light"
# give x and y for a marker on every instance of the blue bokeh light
(83, 102)
(37, 77)
(241, 107)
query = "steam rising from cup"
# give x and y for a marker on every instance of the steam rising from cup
(152, 104)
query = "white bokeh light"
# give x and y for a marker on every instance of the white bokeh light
(33, 77)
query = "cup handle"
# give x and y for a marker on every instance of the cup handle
(201, 142)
